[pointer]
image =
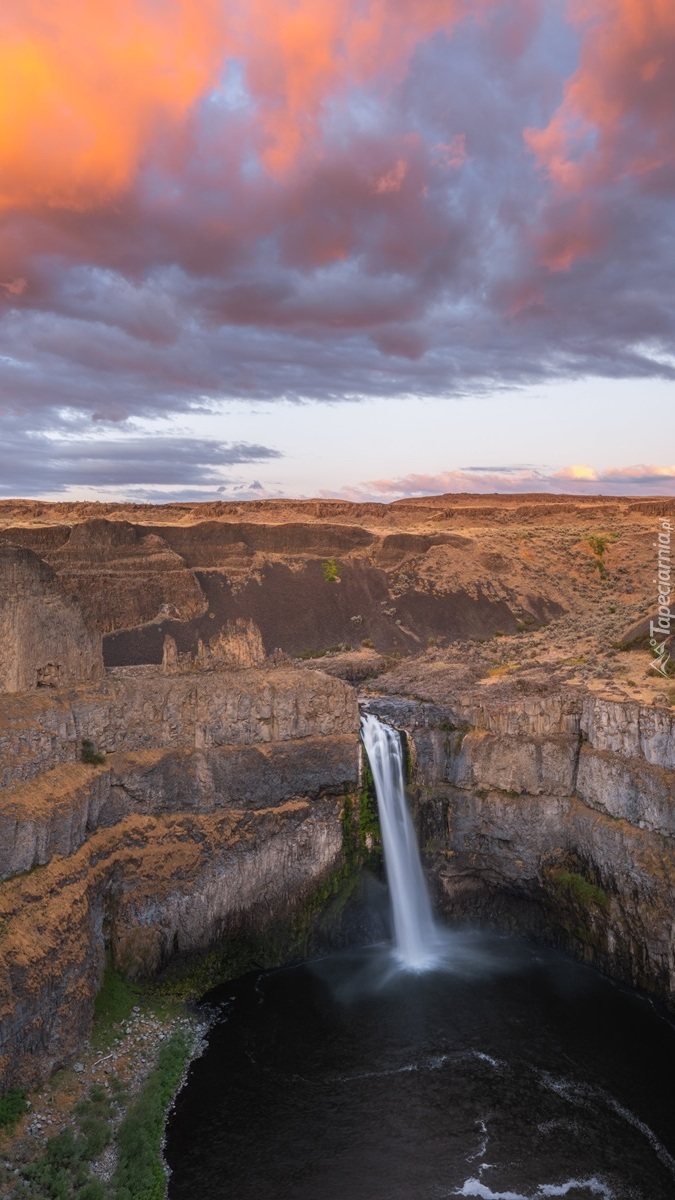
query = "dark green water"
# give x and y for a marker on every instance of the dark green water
(514, 1074)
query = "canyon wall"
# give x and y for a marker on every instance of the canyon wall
(552, 814)
(217, 808)
(45, 640)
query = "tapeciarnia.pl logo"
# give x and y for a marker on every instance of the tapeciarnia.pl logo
(659, 630)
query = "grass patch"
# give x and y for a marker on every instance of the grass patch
(114, 1003)
(140, 1174)
(331, 570)
(503, 669)
(575, 887)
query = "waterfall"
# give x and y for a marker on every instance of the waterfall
(415, 931)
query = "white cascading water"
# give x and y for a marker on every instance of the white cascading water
(415, 931)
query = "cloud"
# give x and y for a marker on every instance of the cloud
(38, 464)
(327, 199)
(612, 132)
(613, 481)
(83, 95)
(84, 98)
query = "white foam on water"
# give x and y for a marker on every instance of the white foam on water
(588, 1095)
(474, 1187)
(482, 1149)
(595, 1187)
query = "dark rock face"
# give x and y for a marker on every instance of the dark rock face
(360, 605)
(553, 817)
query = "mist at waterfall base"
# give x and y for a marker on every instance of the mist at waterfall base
(437, 1064)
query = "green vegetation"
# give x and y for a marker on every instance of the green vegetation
(139, 1174)
(113, 1003)
(578, 889)
(12, 1108)
(598, 544)
(89, 753)
(331, 571)
(63, 1170)
(306, 654)
(369, 839)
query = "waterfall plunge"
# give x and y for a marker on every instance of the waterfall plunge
(416, 936)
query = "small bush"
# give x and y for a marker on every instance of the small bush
(331, 571)
(89, 754)
(94, 1189)
(12, 1108)
(96, 1131)
(61, 1150)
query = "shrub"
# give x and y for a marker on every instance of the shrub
(94, 1189)
(52, 1181)
(331, 571)
(12, 1108)
(61, 1150)
(96, 1131)
(89, 753)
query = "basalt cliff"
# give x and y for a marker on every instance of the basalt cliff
(179, 693)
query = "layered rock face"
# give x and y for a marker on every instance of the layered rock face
(553, 815)
(217, 808)
(45, 641)
(403, 574)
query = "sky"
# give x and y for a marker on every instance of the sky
(354, 248)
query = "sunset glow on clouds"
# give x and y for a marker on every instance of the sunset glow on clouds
(619, 481)
(326, 199)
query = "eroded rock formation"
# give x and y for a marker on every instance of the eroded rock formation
(45, 641)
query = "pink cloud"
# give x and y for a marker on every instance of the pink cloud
(614, 125)
(452, 153)
(392, 181)
(638, 480)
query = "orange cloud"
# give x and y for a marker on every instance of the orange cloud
(85, 88)
(616, 115)
(576, 472)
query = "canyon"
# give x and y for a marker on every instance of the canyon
(179, 730)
